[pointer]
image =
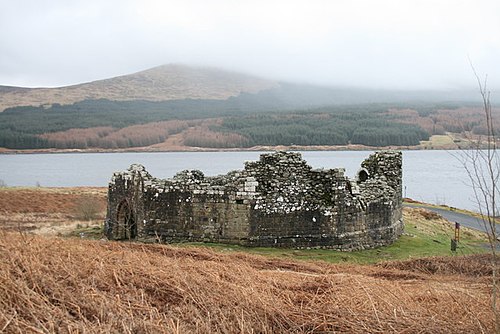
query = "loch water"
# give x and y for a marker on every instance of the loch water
(430, 176)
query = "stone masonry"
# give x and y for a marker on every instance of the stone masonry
(278, 201)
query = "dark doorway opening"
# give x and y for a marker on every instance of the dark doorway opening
(126, 227)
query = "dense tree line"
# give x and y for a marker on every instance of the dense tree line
(119, 114)
(323, 129)
(252, 119)
(20, 140)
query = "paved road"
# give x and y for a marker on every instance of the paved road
(453, 216)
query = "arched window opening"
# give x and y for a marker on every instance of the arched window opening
(363, 175)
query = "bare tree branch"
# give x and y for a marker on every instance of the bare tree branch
(482, 165)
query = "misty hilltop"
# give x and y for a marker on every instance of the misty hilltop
(181, 82)
(162, 83)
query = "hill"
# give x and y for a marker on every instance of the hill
(162, 83)
(176, 107)
(180, 82)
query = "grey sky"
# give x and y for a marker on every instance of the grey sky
(391, 44)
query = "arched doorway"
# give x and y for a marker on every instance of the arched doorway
(126, 227)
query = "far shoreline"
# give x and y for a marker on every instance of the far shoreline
(4, 151)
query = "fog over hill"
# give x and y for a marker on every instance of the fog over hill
(162, 83)
(180, 82)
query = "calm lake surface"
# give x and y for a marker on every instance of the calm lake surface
(429, 176)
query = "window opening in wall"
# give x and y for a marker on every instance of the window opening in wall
(362, 175)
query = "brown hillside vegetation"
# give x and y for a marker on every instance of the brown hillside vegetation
(155, 135)
(203, 136)
(161, 83)
(461, 120)
(47, 200)
(49, 211)
(76, 286)
(108, 137)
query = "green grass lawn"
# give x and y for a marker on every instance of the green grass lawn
(437, 141)
(423, 237)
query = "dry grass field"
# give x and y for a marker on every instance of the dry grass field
(50, 211)
(52, 284)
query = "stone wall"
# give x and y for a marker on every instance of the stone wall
(278, 201)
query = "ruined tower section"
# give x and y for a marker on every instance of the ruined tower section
(380, 182)
(278, 201)
(297, 206)
(126, 203)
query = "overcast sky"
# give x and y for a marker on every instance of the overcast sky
(402, 44)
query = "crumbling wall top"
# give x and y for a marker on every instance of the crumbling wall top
(282, 182)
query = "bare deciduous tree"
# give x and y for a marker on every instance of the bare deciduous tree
(482, 164)
(87, 208)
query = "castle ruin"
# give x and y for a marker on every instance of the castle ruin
(277, 201)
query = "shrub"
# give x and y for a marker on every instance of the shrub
(87, 208)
